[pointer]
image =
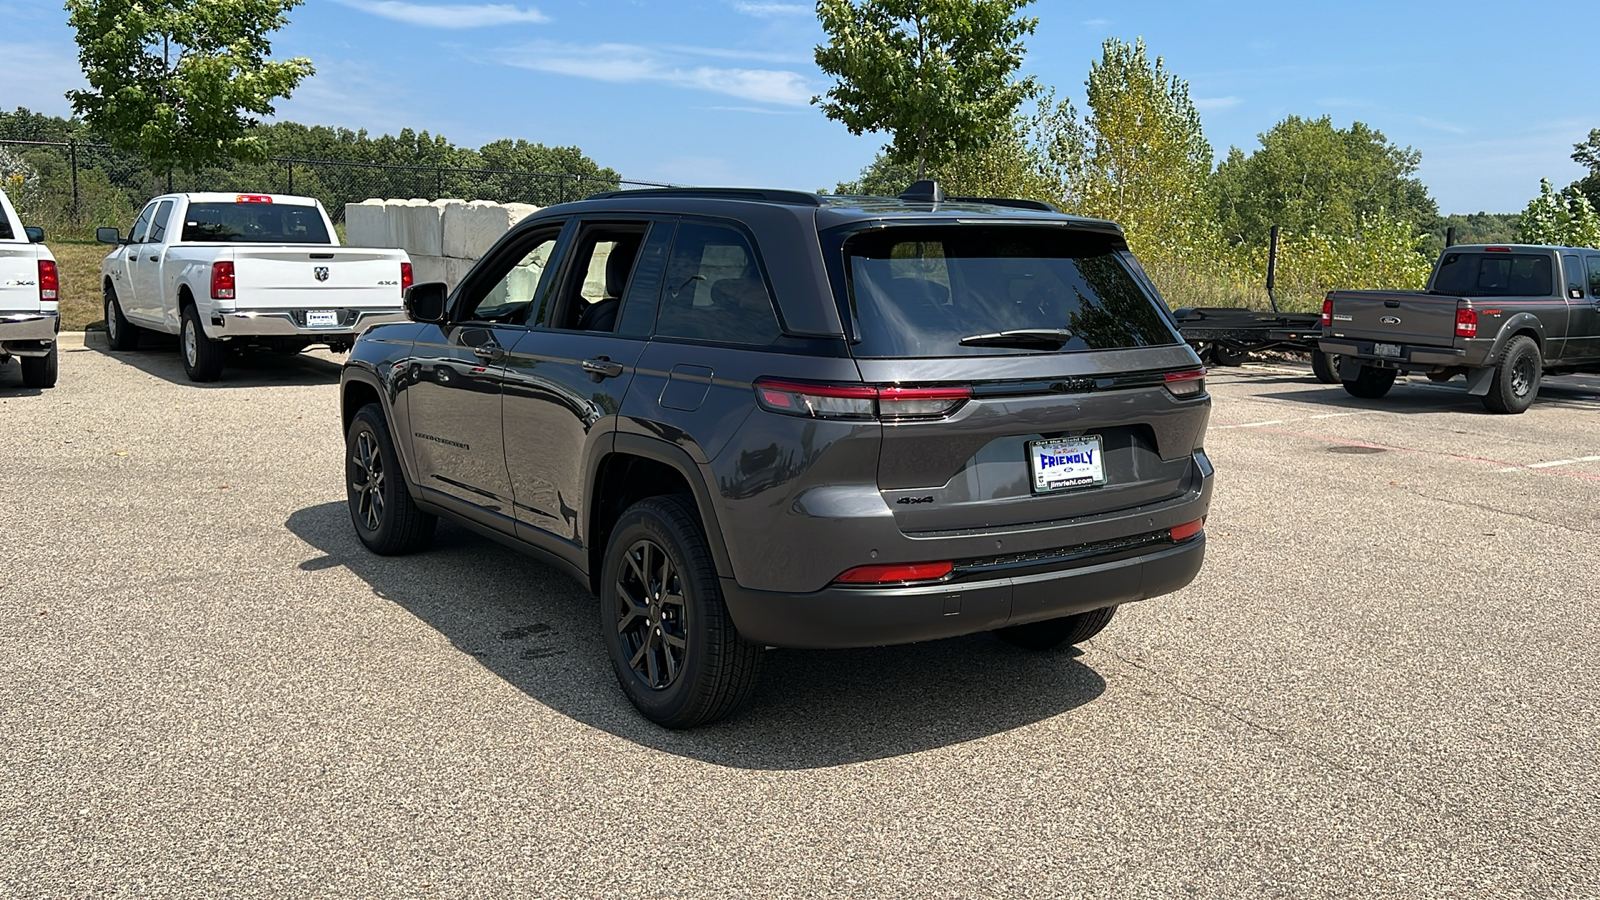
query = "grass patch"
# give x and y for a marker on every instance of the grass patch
(78, 263)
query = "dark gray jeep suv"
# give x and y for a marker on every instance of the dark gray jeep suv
(753, 418)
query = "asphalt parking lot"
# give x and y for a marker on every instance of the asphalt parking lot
(1383, 684)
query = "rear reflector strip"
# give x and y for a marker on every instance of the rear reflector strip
(902, 573)
(1187, 530)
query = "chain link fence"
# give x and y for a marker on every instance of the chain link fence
(70, 187)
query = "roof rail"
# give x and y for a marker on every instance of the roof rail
(1013, 202)
(925, 191)
(794, 198)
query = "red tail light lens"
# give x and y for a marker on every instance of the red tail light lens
(857, 401)
(1186, 384)
(222, 280)
(1327, 313)
(49, 281)
(897, 574)
(405, 276)
(1466, 322)
(252, 198)
(1187, 530)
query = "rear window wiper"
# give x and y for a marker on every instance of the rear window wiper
(1021, 337)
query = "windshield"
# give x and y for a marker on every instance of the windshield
(1494, 275)
(254, 223)
(924, 291)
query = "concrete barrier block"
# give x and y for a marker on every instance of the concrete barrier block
(472, 228)
(520, 211)
(455, 270)
(366, 224)
(419, 228)
(429, 268)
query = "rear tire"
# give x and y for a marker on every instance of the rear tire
(676, 652)
(1516, 377)
(385, 517)
(202, 357)
(1223, 356)
(40, 371)
(1053, 633)
(120, 333)
(1325, 366)
(1371, 383)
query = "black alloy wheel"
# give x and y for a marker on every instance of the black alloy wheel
(385, 517)
(652, 617)
(366, 479)
(1516, 377)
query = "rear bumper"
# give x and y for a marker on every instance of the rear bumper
(28, 334)
(1410, 354)
(292, 323)
(837, 617)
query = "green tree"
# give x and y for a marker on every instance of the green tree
(179, 81)
(1588, 154)
(936, 75)
(1564, 218)
(1308, 174)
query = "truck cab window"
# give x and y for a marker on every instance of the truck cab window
(1593, 262)
(158, 225)
(141, 225)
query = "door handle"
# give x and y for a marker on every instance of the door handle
(601, 367)
(489, 352)
(152, 258)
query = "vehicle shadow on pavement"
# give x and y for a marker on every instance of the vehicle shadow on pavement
(538, 630)
(11, 382)
(158, 355)
(1414, 398)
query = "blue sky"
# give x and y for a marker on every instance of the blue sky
(1494, 95)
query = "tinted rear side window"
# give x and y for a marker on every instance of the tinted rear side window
(917, 291)
(254, 223)
(715, 290)
(1495, 275)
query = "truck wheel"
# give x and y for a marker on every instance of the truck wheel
(40, 371)
(1516, 377)
(1053, 633)
(120, 333)
(1325, 366)
(386, 518)
(202, 358)
(1223, 356)
(1371, 383)
(674, 647)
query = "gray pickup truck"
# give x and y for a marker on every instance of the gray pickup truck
(1503, 316)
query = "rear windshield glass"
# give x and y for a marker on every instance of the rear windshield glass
(254, 223)
(1494, 275)
(943, 291)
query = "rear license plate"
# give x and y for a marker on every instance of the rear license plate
(1389, 350)
(322, 318)
(1065, 463)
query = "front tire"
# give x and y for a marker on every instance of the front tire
(202, 357)
(40, 371)
(1516, 377)
(120, 333)
(1053, 633)
(1371, 383)
(385, 517)
(672, 642)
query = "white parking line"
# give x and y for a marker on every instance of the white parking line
(1246, 425)
(1554, 463)
(1333, 415)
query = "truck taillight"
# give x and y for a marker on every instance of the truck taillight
(1327, 313)
(49, 281)
(858, 401)
(1466, 322)
(222, 280)
(405, 276)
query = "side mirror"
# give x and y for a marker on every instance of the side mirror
(425, 302)
(108, 236)
(35, 234)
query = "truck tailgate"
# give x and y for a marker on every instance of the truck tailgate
(317, 277)
(1398, 317)
(19, 277)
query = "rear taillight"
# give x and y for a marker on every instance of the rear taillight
(857, 401)
(1327, 313)
(1466, 322)
(405, 276)
(1187, 530)
(222, 280)
(1186, 384)
(897, 574)
(49, 281)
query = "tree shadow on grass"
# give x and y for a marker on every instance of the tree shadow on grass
(539, 631)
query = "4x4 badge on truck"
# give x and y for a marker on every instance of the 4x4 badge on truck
(320, 272)
(1390, 320)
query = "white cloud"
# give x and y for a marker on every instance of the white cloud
(1097, 23)
(479, 15)
(626, 63)
(1214, 104)
(768, 10)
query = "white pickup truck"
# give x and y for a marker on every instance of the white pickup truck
(30, 291)
(237, 271)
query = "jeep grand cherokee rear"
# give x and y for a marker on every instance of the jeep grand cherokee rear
(751, 418)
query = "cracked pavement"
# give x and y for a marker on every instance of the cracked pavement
(1381, 685)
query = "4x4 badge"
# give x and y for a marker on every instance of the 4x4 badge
(320, 272)
(915, 500)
